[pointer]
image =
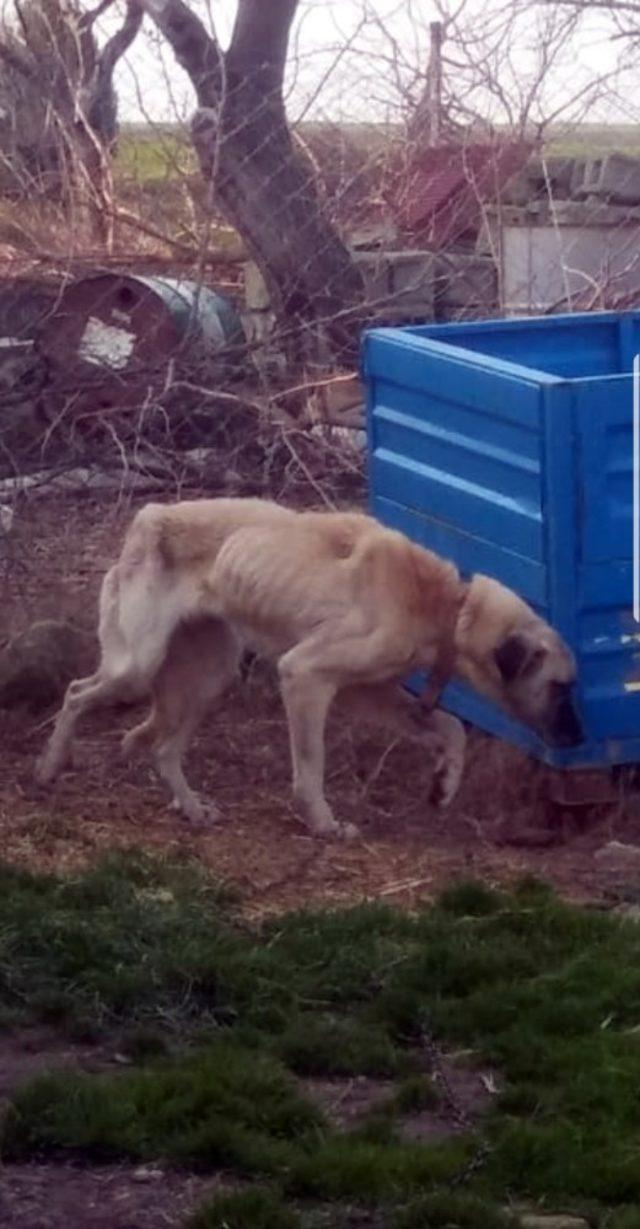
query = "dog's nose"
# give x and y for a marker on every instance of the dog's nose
(565, 729)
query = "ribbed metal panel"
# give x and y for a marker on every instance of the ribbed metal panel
(507, 447)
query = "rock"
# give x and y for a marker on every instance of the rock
(37, 665)
(532, 1220)
(616, 856)
(77, 481)
(629, 913)
(145, 1173)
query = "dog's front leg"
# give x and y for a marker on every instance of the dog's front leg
(391, 706)
(307, 699)
(310, 676)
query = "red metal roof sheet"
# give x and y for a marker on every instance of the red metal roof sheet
(445, 187)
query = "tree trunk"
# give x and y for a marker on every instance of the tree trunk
(266, 189)
(69, 84)
(269, 195)
(87, 184)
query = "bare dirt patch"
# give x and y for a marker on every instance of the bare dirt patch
(30, 1052)
(66, 1196)
(347, 1100)
(462, 1095)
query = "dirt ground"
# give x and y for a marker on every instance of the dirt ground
(61, 1195)
(499, 827)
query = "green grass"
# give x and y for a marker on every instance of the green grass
(330, 1045)
(154, 154)
(589, 140)
(224, 1106)
(220, 1019)
(451, 1212)
(162, 152)
(252, 1209)
(131, 941)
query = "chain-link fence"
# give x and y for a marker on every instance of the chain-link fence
(181, 301)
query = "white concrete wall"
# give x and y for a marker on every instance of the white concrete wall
(543, 265)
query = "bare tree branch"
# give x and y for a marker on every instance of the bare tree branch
(114, 49)
(89, 18)
(16, 61)
(195, 49)
(612, 6)
(247, 155)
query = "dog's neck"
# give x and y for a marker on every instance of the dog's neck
(444, 666)
(469, 610)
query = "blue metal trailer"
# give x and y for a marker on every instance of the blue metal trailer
(507, 446)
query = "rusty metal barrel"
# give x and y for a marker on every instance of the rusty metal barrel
(110, 338)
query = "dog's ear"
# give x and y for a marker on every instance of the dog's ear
(516, 656)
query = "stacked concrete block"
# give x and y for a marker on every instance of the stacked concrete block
(466, 286)
(399, 286)
(614, 177)
(540, 177)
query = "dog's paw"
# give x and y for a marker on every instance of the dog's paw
(45, 771)
(449, 759)
(197, 813)
(348, 832)
(446, 782)
(334, 831)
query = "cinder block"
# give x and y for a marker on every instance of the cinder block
(374, 267)
(613, 176)
(412, 276)
(397, 285)
(548, 177)
(465, 280)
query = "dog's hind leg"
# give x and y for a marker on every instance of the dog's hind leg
(389, 705)
(119, 678)
(201, 661)
(81, 697)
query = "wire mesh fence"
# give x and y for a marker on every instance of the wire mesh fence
(181, 301)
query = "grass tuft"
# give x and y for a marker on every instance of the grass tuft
(252, 1209)
(321, 1045)
(224, 1106)
(448, 1210)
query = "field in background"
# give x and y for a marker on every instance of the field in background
(589, 140)
(148, 154)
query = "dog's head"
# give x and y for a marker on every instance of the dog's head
(506, 652)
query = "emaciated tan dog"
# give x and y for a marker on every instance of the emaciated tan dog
(343, 605)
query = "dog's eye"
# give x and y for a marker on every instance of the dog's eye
(534, 662)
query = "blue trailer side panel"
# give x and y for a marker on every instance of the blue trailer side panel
(507, 447)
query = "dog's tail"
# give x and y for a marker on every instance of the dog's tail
(142, 602)
(145, 539)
